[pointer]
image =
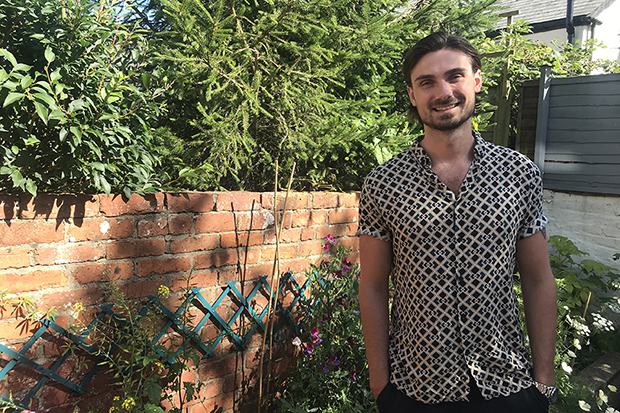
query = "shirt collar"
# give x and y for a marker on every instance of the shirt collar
(418, 152)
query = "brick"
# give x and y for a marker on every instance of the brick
(141, 289)
(336, 231)
(59, 206)
(115, 205)
(229, 240)
(189, 244)
(296, 200)
(135, 248)
(286, 251)
(165, 266)
(217, 368)
(153, 228)
(17, 329)
(179, 202)
(342, 216)
(180, 225)
(323, 200)
(27, 232)
(287, 236)
(215, 222)
(9, 206)
(297, 266)
(201, 279)
(351, 199)
(65, 299)
(241, 201)
(96, 229)
(216, 259)
(256, 271)
(311, 248)
(35, 280)
(253, 256)
(307, 234)
(217, 404)
(54, 396)
(351, 243)
(90, 273)
(351, 230)
(66, 253)
(211, 389)
(13, 257)
(259, 221)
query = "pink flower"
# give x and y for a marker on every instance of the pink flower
(326, 247)
(309, 348)
(297, 341)
(330, 239)
(353, 373)
(314, 333)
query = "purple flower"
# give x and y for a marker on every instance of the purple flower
(325, 369)
(334, 360)
(326, 247)
(338, 274)
(309, 348)
(356, 312)
(330, 239)
(314, 333)
(350, 341)
(353, 373)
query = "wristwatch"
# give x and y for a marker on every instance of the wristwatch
(550, 392)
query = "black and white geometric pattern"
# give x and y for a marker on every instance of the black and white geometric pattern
(454, 310)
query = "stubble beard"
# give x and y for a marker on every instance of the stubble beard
(448, 121)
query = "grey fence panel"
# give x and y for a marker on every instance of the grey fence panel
(582, 150)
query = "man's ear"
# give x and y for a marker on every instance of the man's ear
(477, 81)
(411, 97)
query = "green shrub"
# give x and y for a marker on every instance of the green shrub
(77, 104)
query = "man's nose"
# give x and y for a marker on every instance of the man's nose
(444, 89)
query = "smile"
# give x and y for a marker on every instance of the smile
(446, 107)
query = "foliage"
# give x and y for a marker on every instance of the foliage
(316, 82)
(145, 372)
(331, 373)
(523, 59)
(585, 330)
(77, 102)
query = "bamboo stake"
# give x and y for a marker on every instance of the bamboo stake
(266, 329)
(275, 282)
(585, 310)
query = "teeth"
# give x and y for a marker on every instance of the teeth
(445, 107)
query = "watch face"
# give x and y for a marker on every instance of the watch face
(553, 397)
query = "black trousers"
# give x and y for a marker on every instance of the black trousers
(530, 400)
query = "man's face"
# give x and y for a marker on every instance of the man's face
(444, 89)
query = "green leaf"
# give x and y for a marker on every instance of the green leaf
(77, 132)
(105, 185)
(55, 75)
(49, 55)
(12, 97)
(151, 408)
(9, 56)
(153, 391)
(45, 98)
(26, 81)
(22, 67)
(15, 149)
(42, 111)
(63, 134)
(18, 179)
(31, 187)
(3, 75)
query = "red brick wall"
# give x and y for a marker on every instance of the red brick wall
(57, 250)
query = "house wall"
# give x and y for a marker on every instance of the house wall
(62, 250)
(592, 222)
(608, 32)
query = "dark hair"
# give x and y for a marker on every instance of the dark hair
(433, 43)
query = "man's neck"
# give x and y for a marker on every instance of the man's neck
(449, 146)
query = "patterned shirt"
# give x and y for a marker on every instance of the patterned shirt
(454, 310)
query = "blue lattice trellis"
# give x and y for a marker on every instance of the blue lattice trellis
(173, 320)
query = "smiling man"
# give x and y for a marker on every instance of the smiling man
(449, 220)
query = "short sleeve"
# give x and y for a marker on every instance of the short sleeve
(534, 218)
(371, 220)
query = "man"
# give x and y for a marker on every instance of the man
(449, 219)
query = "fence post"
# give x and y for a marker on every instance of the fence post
(542, 117)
